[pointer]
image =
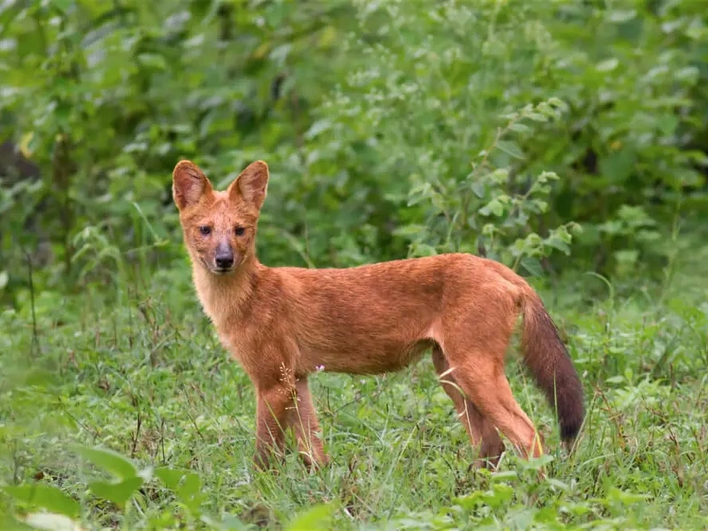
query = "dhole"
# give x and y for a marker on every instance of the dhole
(284, 323)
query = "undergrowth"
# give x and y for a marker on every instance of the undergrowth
(120, 410)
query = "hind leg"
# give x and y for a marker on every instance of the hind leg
(481, 376)
(481, 431)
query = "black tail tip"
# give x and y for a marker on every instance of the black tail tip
(569, 431)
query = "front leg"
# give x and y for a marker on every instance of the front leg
(272, 412)
(303, 418)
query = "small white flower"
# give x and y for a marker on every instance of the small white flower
(319, 368)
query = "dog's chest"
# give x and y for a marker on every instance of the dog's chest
(219, 307)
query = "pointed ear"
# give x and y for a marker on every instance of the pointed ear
(251, 185)
(189, 184)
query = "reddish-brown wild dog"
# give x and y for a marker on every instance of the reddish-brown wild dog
(284, 323)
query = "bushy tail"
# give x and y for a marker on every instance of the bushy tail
(549, 362)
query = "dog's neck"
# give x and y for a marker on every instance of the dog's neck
(226, 297)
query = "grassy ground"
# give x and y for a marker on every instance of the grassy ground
(146, 377)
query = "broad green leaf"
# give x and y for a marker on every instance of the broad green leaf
(51, 522)
(500, 494)
(537, 117)
(47, 497)
(557, 243)
(559, 103)
(607, 65)
(317, 517)
(532, 265)
(109, 460)
(118, 492)
(618, 166)
(520, 128)
(478, 188)
(189, 492)
(545, 176)
(494, 207)
(191, 485)
(500, 175)
(171, 477)
(185, 484)
(510, 148)
(470, 501)
(548, 515)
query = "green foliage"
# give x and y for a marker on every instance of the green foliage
(317, 517)
(391, 129)
(44, 496)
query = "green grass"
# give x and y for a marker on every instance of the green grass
(144, 375)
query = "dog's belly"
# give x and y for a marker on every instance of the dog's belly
(369, 359)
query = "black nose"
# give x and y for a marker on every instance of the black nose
(224, 261)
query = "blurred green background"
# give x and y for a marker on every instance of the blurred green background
(391, 129)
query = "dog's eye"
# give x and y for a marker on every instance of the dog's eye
(238, 231)
(206, 231)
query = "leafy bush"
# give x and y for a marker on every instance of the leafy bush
(390, 128)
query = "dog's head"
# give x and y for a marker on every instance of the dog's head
(219, 227)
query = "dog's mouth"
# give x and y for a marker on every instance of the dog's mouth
(216, 270)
